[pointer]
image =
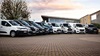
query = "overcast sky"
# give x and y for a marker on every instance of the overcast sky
(61, 8)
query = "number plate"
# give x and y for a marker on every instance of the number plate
(25, 32)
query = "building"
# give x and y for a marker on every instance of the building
(86, 19)
(91, 18)
(95, 17)
(59, 20)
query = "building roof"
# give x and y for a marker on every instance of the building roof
(85, 16)
(44, 17)
(95, 12)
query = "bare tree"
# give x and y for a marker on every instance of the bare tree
(14, 9)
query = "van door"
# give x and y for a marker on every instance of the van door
(5, 28)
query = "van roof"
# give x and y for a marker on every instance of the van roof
(6, 20)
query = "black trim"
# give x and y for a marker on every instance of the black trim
(21, 32)
(3, 32)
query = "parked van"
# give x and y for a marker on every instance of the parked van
(32, 23)
(46, 29)
(56, 28)
(34, 30)
(77, 27)
(50, 29)
(66, 28)
(10, 27)
(91, 29)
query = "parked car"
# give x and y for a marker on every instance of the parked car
(77, 27)
(66, 28)
(56, 28)
(91, 29)
(41, 29)
(10, 27)
(33, 31)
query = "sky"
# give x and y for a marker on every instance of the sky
(61, 8)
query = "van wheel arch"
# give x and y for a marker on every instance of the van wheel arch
(12, 33)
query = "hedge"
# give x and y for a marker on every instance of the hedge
(97, 25)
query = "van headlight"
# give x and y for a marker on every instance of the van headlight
(54, 28)
(77, 29)
(29, 29)
(18, 28)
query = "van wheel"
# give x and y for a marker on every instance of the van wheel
(97, 32)
(12, 33)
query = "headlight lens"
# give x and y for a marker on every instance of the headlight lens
(18, 28)
(77, 29)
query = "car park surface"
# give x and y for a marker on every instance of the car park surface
(51, 45)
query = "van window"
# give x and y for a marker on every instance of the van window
(4, 23)
(13, 23)
(66, 25)
(35, 24)
(55, 25)
(19, 23)
(91, 26)
(24, 23)
(79, 25)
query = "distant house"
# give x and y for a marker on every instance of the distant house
(95, 17)
(85, 19)
(59, 20)
(91, 18)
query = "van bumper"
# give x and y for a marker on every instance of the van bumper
(21, 32)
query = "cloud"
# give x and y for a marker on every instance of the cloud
(54, 5)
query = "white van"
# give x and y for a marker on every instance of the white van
(10, 27)
(66, 28)
(56, 28)
(77, 27)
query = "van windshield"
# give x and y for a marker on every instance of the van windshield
(91, 25)
(47, 26)
(66, 25)
(79, 25)
(13, 23)
(55, 25)
(35, 24)
(24, 23)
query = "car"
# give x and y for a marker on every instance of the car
(56, 28)
(91, 29)
(10, 27)
(78, 28)
(66, 28)
(33, 30)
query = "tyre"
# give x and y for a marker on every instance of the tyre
(12, 33)
(97, 32)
